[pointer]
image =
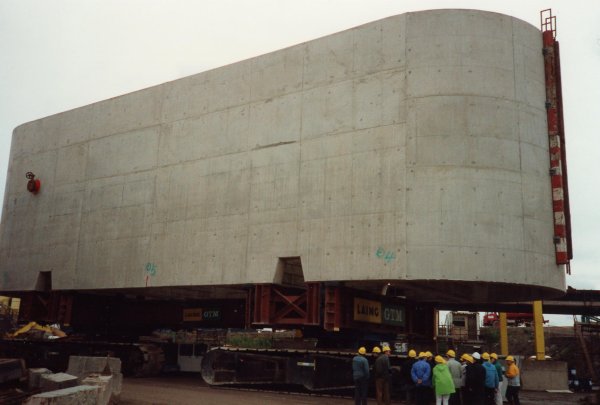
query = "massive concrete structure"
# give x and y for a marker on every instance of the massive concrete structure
(411, 150)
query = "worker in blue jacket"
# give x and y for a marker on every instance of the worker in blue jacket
(421, 376)
(360, 374)
(491, 380)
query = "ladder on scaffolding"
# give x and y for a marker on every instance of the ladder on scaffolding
(556, 137)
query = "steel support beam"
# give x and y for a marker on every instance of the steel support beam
(333, 308)
(538, 327)
(502, 325)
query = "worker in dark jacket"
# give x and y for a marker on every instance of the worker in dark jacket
(431, 363)
(475, 381)
(360, 374)
(383, 374)
(465, 360)
(407, 384)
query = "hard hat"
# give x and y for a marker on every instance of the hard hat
(428, 354)
(362, 350)
(386, 349)
(451, 353)
(476, 356)
(376, 349)
(494, 356)
(468, 358)
(422, 355)
(485, 356)
(412, 353)
(510, 358)
(439, 359)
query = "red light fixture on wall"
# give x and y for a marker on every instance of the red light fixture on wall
(33, 185)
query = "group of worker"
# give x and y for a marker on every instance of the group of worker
(473, 379)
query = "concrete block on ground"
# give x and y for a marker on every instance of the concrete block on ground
(82, 366)
(57, 381)
(79, 395)
(109, 387)
(544, 375)
(35, 375)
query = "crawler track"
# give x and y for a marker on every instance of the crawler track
(314, 370)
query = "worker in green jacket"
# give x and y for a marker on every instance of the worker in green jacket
(442, 382)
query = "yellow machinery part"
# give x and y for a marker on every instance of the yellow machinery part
(538, 327)
(503, 334)
(29, 326)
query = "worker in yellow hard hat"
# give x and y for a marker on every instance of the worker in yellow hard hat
(501, 379)
(491, 379)
(513, 380)
(465, 360)
(407, 386)
(430, 358)
(421, 376)
(360, 374)
(376, 350)
(383, 375)
(455, 369)
(442, 381)
(474, 380)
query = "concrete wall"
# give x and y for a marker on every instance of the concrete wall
(544, 375)
(412, 148)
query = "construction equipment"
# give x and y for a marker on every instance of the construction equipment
(588, 335)
(138, 359)
(461, 326)
(512, 319)
(313, 370)
(51, 330)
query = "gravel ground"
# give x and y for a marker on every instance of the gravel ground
(191, 390)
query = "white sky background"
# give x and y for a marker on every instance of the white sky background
(59, 55)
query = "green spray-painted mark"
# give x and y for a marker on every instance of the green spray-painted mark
(386, 255)
(151, 269)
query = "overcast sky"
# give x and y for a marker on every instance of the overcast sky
(58, 55)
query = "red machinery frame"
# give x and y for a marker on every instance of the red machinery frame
(279, 305)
